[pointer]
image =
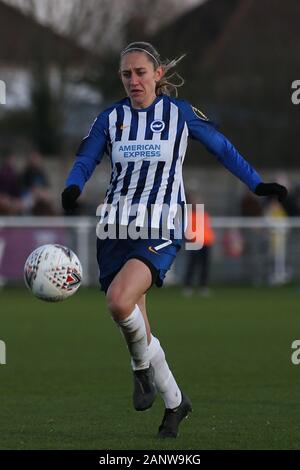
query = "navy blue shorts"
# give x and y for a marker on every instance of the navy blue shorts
(157, 254)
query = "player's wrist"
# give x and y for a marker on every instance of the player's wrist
(271, 189)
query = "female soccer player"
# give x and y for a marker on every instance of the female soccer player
(145, 136)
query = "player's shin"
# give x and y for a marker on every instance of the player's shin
(164, 380)
(134, 331)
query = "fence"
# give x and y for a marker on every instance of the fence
(256, 250)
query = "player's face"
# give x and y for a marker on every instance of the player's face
(139, 78)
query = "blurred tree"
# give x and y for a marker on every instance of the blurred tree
(46, 124)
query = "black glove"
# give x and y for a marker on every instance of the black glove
(271, 189)
(69, 197)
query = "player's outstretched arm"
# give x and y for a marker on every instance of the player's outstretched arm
(202, 129)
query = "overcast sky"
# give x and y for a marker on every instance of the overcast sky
(182, 5)
(61, 16)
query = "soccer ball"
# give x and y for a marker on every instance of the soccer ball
(52, 272)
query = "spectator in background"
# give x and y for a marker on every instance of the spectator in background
(278, 239)
(34, 176)
(10, 189)
(35, 185)
(199, 231)
(255, 242)
(290, 206)
(292, 203)
(251, 206)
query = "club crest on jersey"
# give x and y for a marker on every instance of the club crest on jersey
(199, 114)
(157, 125)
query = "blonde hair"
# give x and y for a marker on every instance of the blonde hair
(164, 85)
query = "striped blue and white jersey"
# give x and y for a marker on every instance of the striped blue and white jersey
(146, 148)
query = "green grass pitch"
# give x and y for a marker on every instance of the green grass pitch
(67, 382)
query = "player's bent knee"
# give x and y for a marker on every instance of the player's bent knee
(118, 304)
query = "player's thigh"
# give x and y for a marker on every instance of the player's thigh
(128, 286)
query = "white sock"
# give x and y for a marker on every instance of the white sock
(163, 377)
(134, 332)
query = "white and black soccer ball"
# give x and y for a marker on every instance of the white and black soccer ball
(52, 272)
